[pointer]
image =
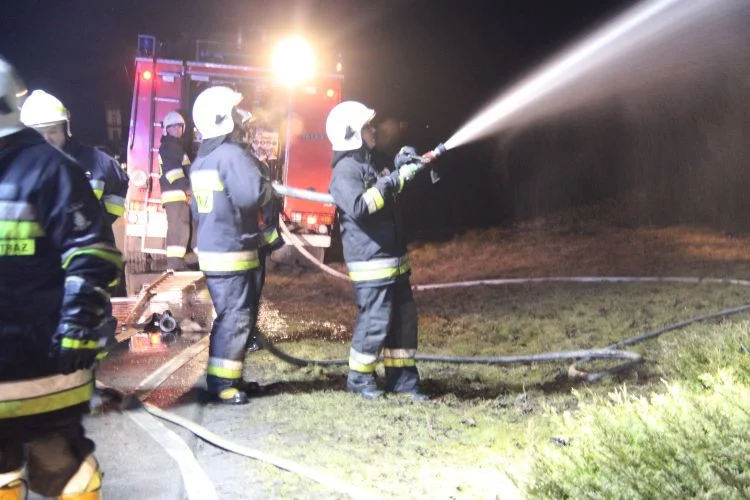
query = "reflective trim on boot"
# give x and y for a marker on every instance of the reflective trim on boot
(8, 478)
(86, 483)
(13, 486)
(231, 396)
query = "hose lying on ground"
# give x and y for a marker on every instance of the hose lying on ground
(582, 356)
(135, 401)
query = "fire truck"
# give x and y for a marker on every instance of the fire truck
(288, 131)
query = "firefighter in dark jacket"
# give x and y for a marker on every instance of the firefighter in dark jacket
(375, 254)
(175, 190)
(57, 258)
(45, 113)
(228, 193)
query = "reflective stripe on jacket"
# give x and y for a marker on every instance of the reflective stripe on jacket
(378, 269)
(372, 233)
(228, 192)
(45, 394)
(53, 234)
(174, 168)
(108, 181)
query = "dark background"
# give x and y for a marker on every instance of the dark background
(673, 151)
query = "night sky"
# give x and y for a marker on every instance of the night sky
(431, 63)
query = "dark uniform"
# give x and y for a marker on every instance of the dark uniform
(110, 185)
(57, 257)
(375, 254)
(107, 179)
(270, 241)
(175, 186)
(228, 192)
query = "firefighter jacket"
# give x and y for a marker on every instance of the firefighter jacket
(371, 228)
(107, 179)
(175, 168)
(228, 191)
(57, 256)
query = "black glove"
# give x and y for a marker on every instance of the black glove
(400, 177)
(272, 247)
(75, 347)
(406, 154)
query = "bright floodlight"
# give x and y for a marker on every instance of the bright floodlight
(293, 61)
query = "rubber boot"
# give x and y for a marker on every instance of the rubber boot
(86, 483)
(14, 490)
(363, 384)
(404, 380)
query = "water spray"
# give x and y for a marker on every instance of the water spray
(614, 56)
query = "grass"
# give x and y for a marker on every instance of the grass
(487, 431)
(686, 439)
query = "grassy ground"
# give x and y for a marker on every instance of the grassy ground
(488, 431)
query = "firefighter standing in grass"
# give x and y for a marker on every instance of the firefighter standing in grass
(375, 254)
(175, 190)
(57, 257)
(228, 193)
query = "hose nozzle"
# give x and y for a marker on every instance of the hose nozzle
(431, 155)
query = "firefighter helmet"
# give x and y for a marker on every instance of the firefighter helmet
(215, 112)
(170, 119)
(42, 110)
(344, 125)
(12, 93)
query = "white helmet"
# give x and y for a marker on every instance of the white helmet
(12, 94)
(344, 125)
(171, 118)
(215, 112)
(42, 110)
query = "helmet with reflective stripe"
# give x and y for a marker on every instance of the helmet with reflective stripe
(215, 112)
(344, 125)
(171, 118)
(12, 94)
(42, 110)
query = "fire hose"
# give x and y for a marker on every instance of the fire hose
(580, 357)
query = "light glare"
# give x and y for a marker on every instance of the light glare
(293, 61)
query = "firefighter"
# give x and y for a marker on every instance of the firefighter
(57, 257)
(270, 239)
(228, 192)
(47, 114)
(375, 255)
(175, 190)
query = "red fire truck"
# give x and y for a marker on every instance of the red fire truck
(288, 133)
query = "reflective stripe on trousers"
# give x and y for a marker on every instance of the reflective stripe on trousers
(234, 297)
(387, 323)
(173, 195)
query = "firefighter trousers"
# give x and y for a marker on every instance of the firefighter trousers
(387, 321)
(51, 457)
(260, 280)
(235, 298)
(180, 233)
